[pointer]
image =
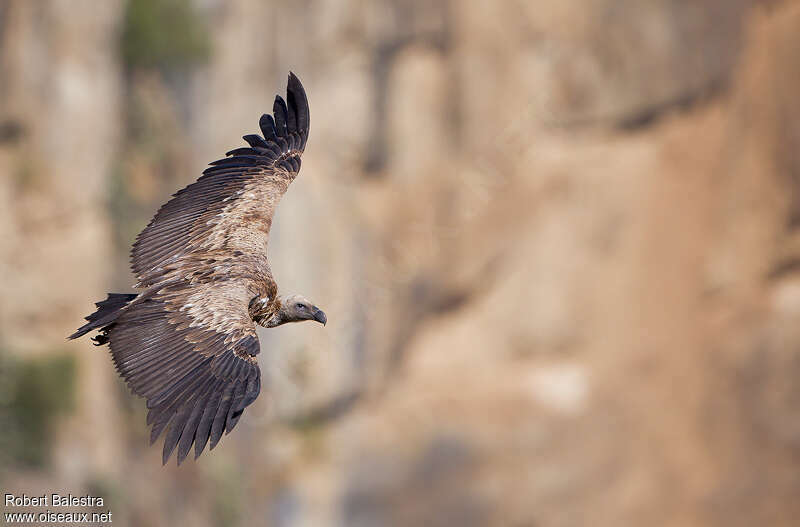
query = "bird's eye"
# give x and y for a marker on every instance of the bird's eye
(302, 307)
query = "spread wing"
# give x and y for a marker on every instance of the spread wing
(230, 207)
(190, 351)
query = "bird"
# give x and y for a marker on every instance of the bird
(186, 340)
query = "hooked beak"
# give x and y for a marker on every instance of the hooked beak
(319, 316)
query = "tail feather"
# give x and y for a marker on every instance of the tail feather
(107, 312)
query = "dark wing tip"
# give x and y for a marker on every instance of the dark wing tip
(285, 133)
(255, 141)
(280, 113)
(296, 95)
(267, 126)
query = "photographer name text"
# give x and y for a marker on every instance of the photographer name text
(53, 500)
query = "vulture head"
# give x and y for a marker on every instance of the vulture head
(297, 308)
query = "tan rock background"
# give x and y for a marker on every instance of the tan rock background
(557, 242)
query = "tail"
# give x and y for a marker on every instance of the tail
(107, 312)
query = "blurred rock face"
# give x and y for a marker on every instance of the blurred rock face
(557, 246)
(59, 105)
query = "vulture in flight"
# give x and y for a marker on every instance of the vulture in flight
(187, 341)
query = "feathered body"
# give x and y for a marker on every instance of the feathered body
(187, 342)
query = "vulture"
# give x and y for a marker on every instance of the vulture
(186, 341)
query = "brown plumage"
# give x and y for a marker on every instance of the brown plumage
(187, 341)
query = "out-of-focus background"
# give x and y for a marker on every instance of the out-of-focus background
(558, 244)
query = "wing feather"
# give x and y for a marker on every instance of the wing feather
(207, 418)
(267, 125)
(174, 433)
(190, 429)
(255, 141)
(279, 111)
(220, 417)
(196, 367)
(206, 215)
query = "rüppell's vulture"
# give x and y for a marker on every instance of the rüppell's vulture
(187, 341)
